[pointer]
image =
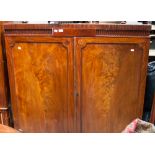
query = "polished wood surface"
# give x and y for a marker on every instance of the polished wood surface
(110, 83)
(3, 81)
(42, 84)
(66, 79)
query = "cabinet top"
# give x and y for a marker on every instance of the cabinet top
(85, 30)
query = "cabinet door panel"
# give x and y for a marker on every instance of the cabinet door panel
(41, 83)
(109, 83)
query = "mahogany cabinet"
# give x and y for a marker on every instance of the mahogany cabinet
(76, 77)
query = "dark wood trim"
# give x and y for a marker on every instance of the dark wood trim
(82, 26)
(4, 96)
(83, 30)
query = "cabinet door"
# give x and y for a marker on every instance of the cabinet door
(41, 83)
(110, 78)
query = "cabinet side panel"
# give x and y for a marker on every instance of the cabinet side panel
(3, 82)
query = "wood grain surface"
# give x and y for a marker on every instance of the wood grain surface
(4, 98)
(41, 74)
(109, 82)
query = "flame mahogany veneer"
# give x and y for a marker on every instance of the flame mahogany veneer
(76, 77)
